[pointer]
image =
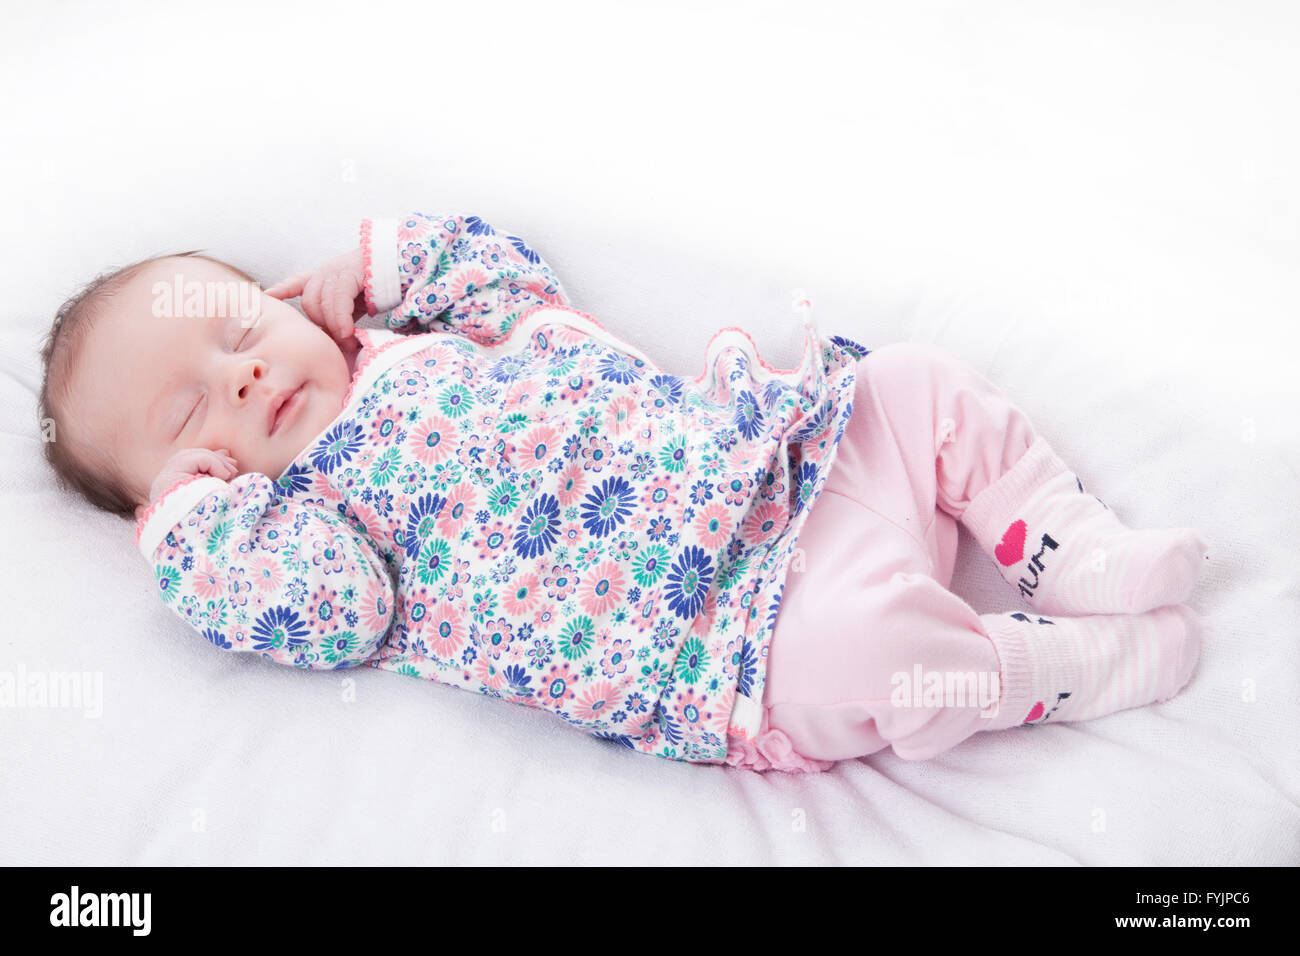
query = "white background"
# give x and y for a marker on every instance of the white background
(1093, 203)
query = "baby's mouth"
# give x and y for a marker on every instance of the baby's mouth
(284, 407)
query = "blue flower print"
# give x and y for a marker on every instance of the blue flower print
(338, 446)
(419, 522)
(279, 628)
(539, 527)
(608, 506)
(624, 369)
(688, 582)
(749, 419)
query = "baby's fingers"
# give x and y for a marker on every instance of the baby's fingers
(341, 295)
(289, 288)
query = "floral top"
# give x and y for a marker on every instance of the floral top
(523, 505)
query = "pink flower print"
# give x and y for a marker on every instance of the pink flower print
(772, 486)
(597, 701)
(646, 612)
(468, 282)
(410, 381)
(386, 426)
(740, 458)
(492, 540)
(434, 440)
(329, 556)
(207, 585)
(495, 638)
(764, 522)
(445, 632)
(366, 456)
(323, 610)
(732, 657)
(478, 452)
(638, 521)
(374, 613)
(575, 387)
(713, 527)
(321, 488)
(616, 658)
(571, 534)
(414, 227)
(573, 482)
(267, 574)
(556, 687)
(597, 453)
(602, 589)
(413, 257)
(692, 709)
(545, 616)
(621, 416)
(488, 674)
(456, 583)
(563, 334)
(365, 520)
(561, 582)
(457, 511)
(238, 588)
(494, 257)
(661, 494)
(534, 448)
(721, 716)
(736, 489)
(431, 301)
(519, 394)
(522, 595)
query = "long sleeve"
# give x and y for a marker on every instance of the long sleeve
(454, 269)
(251, 570)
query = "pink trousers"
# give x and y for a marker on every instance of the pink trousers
(871, 600)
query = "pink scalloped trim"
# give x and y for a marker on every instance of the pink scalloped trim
(807, 345)
(365, 255)
(367, 355)
(144, 518)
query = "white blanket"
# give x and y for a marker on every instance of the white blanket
(1097, 209)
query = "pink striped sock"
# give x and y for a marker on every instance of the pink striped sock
(1067, 553)
(1077, 668)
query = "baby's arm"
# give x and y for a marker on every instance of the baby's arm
(290, 579)
(453, 269)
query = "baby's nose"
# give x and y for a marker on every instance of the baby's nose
(245, 377)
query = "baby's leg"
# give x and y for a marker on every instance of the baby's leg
(975, 455)
(855, 667)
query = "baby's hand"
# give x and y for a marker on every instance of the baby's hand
(191, 461)
(333, 295)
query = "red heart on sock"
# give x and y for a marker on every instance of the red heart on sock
(1012, 548)
(1035, 713)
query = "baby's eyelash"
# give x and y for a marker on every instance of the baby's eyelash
(186, 423)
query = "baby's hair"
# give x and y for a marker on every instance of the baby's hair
(91, 471)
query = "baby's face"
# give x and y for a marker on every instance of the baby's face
(149, 386)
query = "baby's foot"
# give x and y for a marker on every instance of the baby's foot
(1068, 669)
(1067, 553)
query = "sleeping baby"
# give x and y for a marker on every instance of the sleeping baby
(493, 491)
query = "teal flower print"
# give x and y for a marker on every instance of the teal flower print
(435, 556)
(385, 466)
(576, 639)
(649, 566)
(455, 401)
